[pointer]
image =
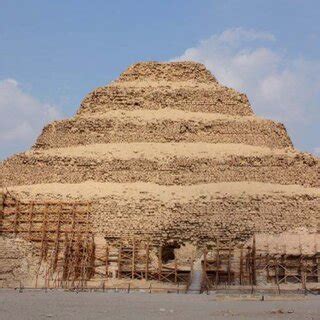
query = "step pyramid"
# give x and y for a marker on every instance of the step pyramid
(167, 152)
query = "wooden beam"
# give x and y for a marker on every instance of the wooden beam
(268, 262)
(254, 275)
(107, 262)
(175, 270)
(44, 233)
(160, 262)
(2, 205)
(133, 260)
(75, 258)
(217, 261)
(88, 217)
(147, 261)
(65, 267)
(277, 275)
(119, 261)
(16, 218)
(205, 253)
(229, 262)
(30, 220)
(241, 265)
(56, 248)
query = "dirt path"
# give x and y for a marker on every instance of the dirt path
(33, 305)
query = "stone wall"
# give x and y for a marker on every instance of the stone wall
(132, 127)
(18, 264)
(216, 99)
(280, 168)
(201, 220)
(189, 213)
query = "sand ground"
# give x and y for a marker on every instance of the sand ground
(36, 305)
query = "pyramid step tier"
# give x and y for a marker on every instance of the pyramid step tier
(191, 213)
(203, 98)
(176, 72)
(163, 126)
(162, 163)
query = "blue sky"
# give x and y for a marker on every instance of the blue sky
(52, 53)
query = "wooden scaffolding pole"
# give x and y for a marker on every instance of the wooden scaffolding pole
(204, 281)
(133, 261)
(76, 260)
(2, 203)
(86, 251)
(241, 266)
(84, 262)
(147, 261)
(57, 239)
(277, 275)
(229, 263)
(119, 261)
(44, 233)
(254, 276)
(217, 262)
(268, 262)
(160, 263)
(16, 218)
(107, 262)
(65, 266)
(30, 220)
(175, 270)
(284, 262)
(70, 252)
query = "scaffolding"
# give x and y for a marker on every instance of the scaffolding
(70, 255)
(61, 234)
(139, 259)
(225, 266)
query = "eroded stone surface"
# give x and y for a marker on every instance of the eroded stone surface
(17, 262)
(168, 153)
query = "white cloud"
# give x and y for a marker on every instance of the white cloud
(278, 86)
(22, 117)
(236, 35)
(317, 151)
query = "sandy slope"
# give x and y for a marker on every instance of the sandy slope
(163, 150)
(94, 190)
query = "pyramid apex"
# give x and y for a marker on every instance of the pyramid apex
(168, 71)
